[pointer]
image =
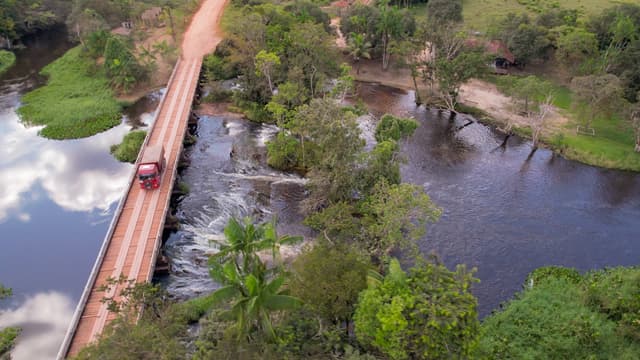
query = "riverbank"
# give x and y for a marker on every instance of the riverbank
(611, 147)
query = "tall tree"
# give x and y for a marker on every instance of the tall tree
(576, 47)
(395, 217)
(451, 74)
(266, 64)
(311, 51)
(598, 95)
(389, 29)
(428, 313)
(254, 289)
(328, 278)
(359, 48)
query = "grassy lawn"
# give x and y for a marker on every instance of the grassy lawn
(611, 147)
(76, 102)
(480, 14)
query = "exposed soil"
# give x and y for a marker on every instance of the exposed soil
(486, 97)
(204, 32)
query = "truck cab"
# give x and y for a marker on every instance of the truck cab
(150, 167)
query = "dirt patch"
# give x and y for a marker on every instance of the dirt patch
(160, 76)
(486, 97)
(371, 71)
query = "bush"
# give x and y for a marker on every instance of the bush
(284, 152)
(394, 128)
(7, 59)
(616, 294)
(565, 315)
(328, 278)
(219, 68)
(7, 338)
(549, 321)
(547, 273)
(128, 150)
(217, 94)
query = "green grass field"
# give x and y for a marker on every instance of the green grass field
(128, 149)
(76, 102)
(611, 147)
(480, 14)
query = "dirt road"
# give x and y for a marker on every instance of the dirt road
(204, 32)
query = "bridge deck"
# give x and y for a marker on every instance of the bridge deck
(133, 241)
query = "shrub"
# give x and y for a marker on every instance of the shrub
(283, 152)
(616, 293)
(128, 150)
(394, 128)
(7, 59)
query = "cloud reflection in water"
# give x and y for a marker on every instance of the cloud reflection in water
(44, 319)
(78, 175)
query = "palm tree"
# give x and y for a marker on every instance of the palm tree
(255, 296)
(359, 48)
(244, 241)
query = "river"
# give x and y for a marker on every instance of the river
(503, 214)
(57, 199)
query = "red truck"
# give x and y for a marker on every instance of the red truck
(151, 166)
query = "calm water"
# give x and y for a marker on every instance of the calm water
(56, 201)
(503, 214)
(507, 215)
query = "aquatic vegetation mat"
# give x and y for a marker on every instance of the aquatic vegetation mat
(76, 102)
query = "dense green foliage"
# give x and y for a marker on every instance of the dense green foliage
(428, 313)
(158, 333)
(328, 279)
(128, 150)
(394, 128)
(21, 17)
(7, 59)
(120, 64)
(269, 45)
(77, 101)
(377, 31)
(255, 291)
(7, 338)
(569, 316)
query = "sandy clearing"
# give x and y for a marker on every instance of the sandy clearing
(486, 97)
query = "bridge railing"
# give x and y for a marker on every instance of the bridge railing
(64, 347)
